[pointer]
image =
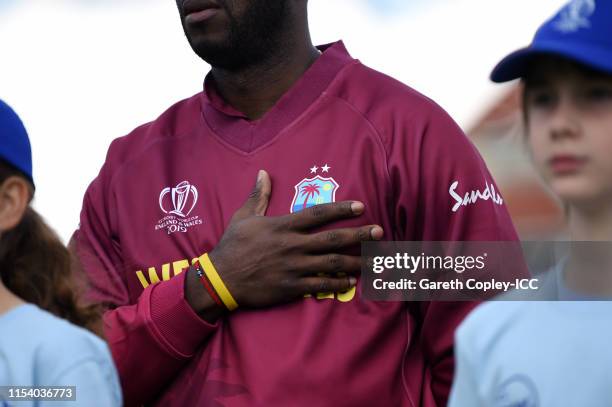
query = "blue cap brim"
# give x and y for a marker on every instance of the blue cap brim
(515, 65)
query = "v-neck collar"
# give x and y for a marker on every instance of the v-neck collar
(235, 128)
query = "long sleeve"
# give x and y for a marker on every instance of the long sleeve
(429, 168)
(151, 339)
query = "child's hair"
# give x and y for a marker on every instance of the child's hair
(36, 266)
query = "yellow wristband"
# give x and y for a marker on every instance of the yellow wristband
(217, 283)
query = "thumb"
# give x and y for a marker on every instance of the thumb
(257, 203)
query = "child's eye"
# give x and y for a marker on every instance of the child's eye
(542, 99)
(598, 94)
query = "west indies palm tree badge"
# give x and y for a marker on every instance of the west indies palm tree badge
(314, 191)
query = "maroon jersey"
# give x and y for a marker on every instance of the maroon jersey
(343, 132)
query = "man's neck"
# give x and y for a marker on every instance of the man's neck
(256, 89)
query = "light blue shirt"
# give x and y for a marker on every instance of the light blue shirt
(535, 354)
(39, 349)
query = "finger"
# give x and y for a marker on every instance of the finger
(333, 240)
(330, 264)
(257, 202)
(319, 215)
(314, 285)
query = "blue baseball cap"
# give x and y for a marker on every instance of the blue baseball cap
(581, 31)
(15, 146)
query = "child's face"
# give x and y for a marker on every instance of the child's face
(569, 125)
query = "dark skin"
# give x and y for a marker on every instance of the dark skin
(266, 261)
(274, 40)
(258, 49)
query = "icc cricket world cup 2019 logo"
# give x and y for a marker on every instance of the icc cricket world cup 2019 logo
(180, 195)
(183, 199)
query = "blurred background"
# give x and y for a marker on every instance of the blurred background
(84, 72)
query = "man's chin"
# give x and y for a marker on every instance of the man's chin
(210, 47)
(219, 57)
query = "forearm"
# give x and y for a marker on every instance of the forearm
(152, 340)
(199, 299)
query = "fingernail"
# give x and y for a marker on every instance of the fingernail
(260, 175)
(377, 233)
(352, 281)
(357, 207)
